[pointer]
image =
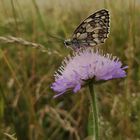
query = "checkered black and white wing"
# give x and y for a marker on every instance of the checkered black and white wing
(93, 30)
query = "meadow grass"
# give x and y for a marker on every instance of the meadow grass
(27, 109)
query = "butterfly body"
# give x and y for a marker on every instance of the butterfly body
(91, 32)
(74, 44)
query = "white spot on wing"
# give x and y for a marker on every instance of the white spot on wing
(103, 17)
(97, 15)
(95, 35)
(78, 34)
(97, 40)
(89, 28)
(92, 44)
(83, 36)
(88, 20)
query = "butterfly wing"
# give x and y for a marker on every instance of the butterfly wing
(93, 30)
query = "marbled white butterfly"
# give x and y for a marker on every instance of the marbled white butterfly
(91, 32)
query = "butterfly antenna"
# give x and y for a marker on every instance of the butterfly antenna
(56, 37)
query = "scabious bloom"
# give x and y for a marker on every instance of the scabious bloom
(84, 65)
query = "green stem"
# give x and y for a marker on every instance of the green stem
(93, 102)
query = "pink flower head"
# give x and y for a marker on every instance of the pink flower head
(85, 65)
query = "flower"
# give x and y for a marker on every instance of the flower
(84, 65)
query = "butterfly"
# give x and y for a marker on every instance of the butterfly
(92, 31)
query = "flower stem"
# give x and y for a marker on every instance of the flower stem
(93, 103)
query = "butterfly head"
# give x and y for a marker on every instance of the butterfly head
(67, 43)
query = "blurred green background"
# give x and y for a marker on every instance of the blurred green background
(27, 109)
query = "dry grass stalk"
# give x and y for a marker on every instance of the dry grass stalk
(21, 41)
